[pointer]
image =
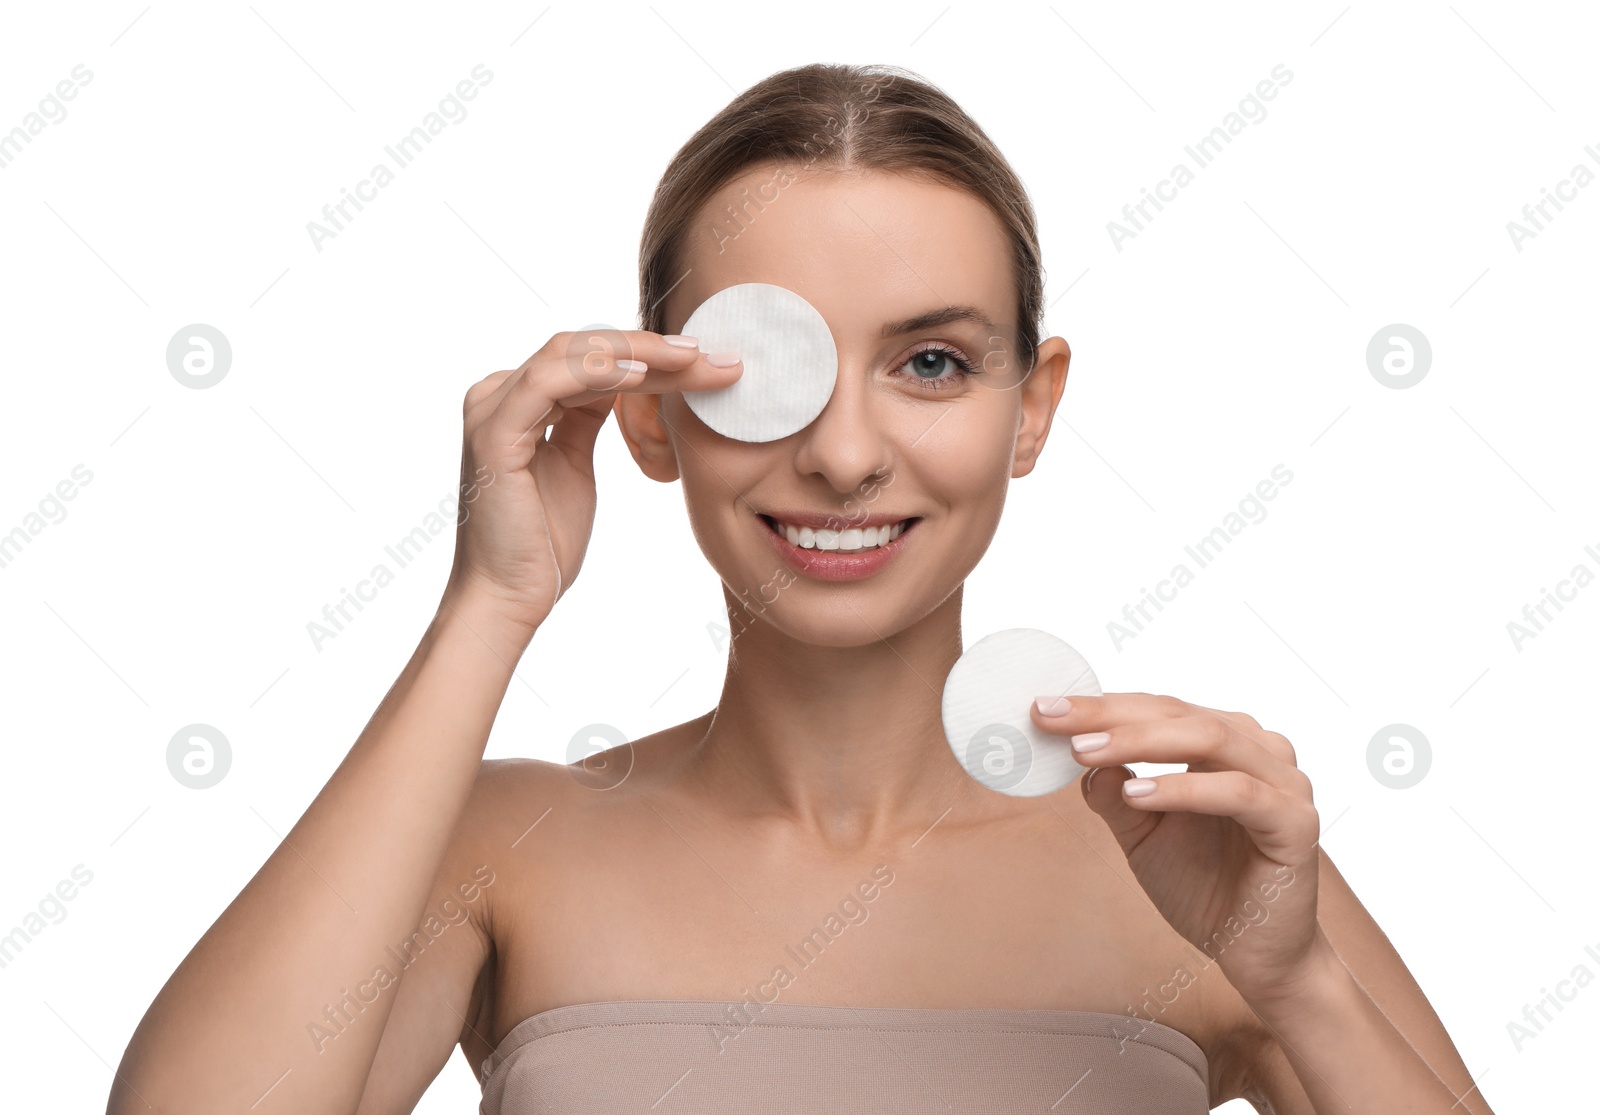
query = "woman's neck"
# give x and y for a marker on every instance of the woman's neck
(844, 743)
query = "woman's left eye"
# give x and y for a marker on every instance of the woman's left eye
(931, 367)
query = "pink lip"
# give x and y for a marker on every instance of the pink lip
(826, 566)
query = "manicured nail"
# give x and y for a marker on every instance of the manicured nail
(1052, 706)
(1138, 787)
(681, 341)
(722, 359)
(631, 366)
(1093, 741)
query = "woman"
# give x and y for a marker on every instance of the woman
(799, 900)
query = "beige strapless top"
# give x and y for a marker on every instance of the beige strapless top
(698, 1057)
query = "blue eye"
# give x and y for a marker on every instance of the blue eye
(929, 367)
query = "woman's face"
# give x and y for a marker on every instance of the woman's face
(905, 436)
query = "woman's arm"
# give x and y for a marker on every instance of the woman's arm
(446, 997)
(1359, 1035)
(306, 938)
(1229, 851)
(232, 1029)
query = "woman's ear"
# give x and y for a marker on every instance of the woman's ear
(639, 418)
(1041, 394)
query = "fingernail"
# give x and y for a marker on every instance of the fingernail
(1052, 706)
(1093, 741)
(722, 359)
(632, 365)
(1138, 787)
(682, 341)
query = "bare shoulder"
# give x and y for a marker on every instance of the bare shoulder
(527, 821)
(517, 806)
(504, 788)
(513, 797)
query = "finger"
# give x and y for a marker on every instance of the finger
(484, 391)
(1102, 790)
(509, 424)
(1090, 715)
(1275, 742)
(578, 430)
(1095, 714)
(1204, 742)
(576, 369)
(1278, 744)
(1276, 821)
(591, 355)
(594, 358)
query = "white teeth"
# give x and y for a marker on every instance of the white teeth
(851, 540)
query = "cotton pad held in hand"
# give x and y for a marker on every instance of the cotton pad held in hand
(790, 363)
(987, 698)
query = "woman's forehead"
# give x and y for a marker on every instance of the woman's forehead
(865, 248)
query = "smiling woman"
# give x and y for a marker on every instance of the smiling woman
(1009, 963)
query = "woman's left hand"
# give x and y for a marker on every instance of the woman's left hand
(1225, 849)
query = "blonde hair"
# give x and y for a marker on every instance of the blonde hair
(845, 117)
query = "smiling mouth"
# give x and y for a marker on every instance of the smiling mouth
(848, 540)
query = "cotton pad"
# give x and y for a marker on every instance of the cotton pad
(790, 363)
(987, 698)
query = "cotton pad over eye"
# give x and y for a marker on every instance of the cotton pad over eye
(987, 697)
(790, 362)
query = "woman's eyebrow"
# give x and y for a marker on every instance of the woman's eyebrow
(938, 317)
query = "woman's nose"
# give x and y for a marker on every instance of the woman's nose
(844, 444)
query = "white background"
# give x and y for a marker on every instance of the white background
(1227, 337)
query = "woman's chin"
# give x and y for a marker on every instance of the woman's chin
(829, 623)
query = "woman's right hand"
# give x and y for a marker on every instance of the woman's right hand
(527, 461)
